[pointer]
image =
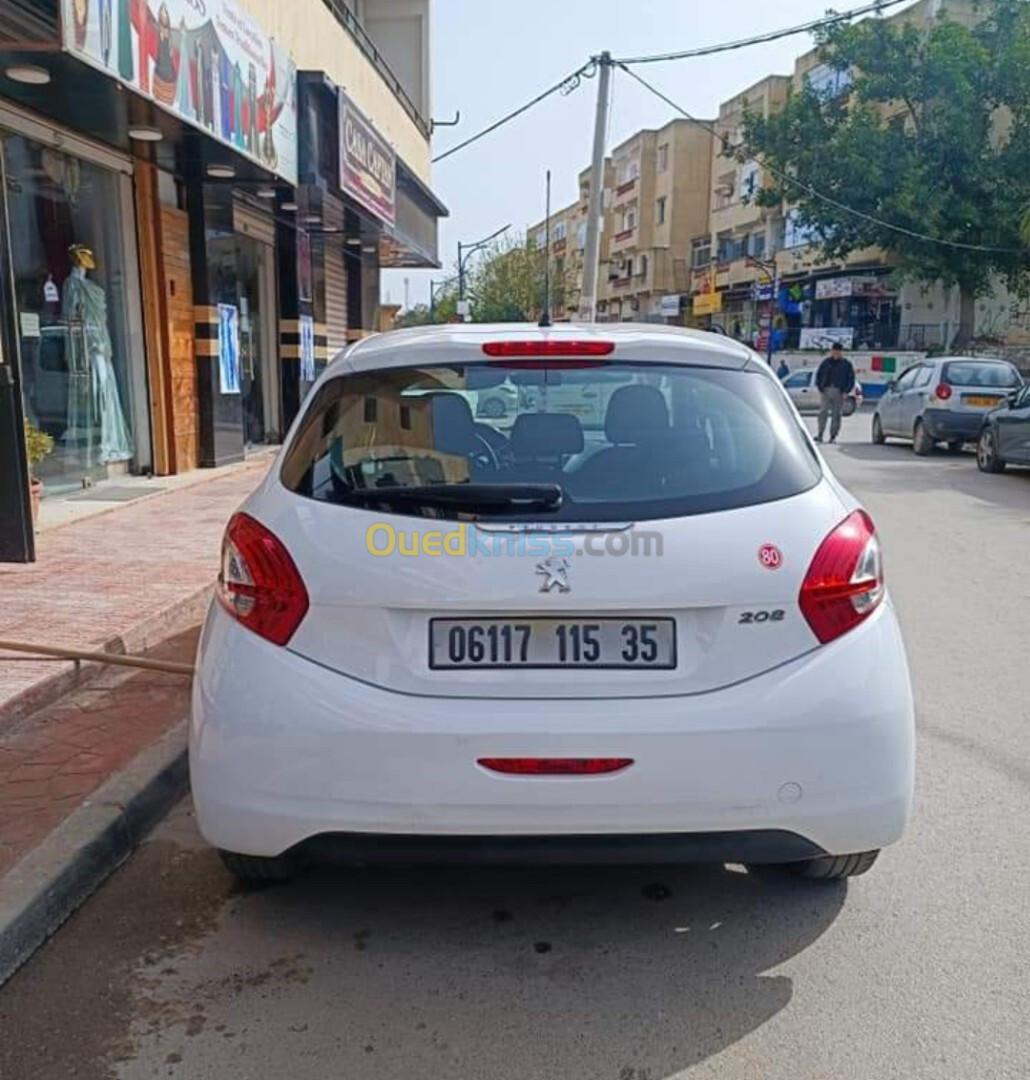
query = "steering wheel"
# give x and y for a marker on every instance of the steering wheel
(484, 457)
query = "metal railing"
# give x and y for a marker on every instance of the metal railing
(350, 22)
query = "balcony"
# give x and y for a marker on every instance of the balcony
(350, 22)
(624, 189)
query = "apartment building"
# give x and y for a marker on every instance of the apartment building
(657, 202)
(748, 247)
(201, 197)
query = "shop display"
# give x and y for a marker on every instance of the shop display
(93, 397)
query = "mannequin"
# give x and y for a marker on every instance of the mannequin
(85, 306)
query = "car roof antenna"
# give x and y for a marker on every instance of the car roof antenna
(545, 317)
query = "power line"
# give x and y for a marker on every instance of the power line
(567, 86)
(828, 199)
(761, 39)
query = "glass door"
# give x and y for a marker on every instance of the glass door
(72, 289)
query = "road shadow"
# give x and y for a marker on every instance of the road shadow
(903, 472)
(628, 973)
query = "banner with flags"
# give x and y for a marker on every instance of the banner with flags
(205, 61)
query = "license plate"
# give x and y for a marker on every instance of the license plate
(636, 644)
(984, 400)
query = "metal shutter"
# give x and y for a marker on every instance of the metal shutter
(335, 295)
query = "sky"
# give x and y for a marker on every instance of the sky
(490, 57)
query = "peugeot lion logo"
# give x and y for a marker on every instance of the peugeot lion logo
(555, 571)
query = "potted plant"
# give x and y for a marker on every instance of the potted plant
(39, 444)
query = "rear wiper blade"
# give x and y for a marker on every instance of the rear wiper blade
(469, 497)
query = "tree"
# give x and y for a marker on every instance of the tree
(507, 284)
(931, 139)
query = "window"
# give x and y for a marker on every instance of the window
(701, 253)
(631, 219)
(922, 376)
(659, 212)
(978, 373)
(371, 409)
(663, 158)
(634, 170)
(581, 237)
(642, 266)
(561, 231)
(908, 378)
(625, 442)
(799, 381)
(756, 244)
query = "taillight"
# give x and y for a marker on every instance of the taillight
(545, 348)
(845, 584)
(260, 585)
(943, 392)
(556, 766)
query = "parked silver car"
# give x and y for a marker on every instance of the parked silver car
(943, 400)
(805, 394)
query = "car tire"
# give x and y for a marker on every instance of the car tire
(878, 436)
(922, 443)
(834, 867)
(849, 406)
(259, 870)
(987, 459)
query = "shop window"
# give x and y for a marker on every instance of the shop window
(72, 294)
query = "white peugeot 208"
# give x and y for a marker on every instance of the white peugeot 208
(661, 636)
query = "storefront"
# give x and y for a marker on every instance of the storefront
(71, 240)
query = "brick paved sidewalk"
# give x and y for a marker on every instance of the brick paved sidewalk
(120, 581)
(54, 759)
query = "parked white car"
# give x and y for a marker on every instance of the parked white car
(666, 639)
(805, 394)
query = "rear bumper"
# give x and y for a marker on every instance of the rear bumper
(946, 426)
(283, 750)
(752, 846)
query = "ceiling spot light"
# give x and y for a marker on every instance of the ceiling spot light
(143, 133)
(29, 74)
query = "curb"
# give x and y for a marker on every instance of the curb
(42, 890)
(174, 619)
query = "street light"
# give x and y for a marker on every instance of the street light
(464, 251)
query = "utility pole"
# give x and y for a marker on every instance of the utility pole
(592, 254)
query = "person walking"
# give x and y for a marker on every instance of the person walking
(834, 379)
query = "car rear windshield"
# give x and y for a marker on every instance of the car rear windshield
(997, 376)
(595, 443)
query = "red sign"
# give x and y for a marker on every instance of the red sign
(770, 556)
(368, 165)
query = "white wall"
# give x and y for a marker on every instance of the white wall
(401, 32)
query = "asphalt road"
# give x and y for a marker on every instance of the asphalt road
(918, 970)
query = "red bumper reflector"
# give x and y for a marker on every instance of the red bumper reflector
(555, 766)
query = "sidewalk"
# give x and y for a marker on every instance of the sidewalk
(91, 758)
(118, 581)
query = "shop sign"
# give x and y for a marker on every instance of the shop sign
(368, 165)
(825, 337)
(307, 348)
(669, 306)
(834, 288)
(761, 293)
(708, 303)
(205, 61)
